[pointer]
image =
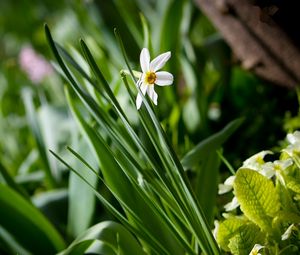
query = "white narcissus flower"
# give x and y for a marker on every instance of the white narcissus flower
(256, 161)
(233, 204)
(293, 137)
(227, 186)
(288, 232)
(293, 149)
(150, 75)
(256, 249)
(216, 229)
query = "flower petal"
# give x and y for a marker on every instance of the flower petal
(152, 94)
(145, 60)
(139, 98)
(223, 188)
(288, 232)
(164, 78)
(232, 205)
(159, 61)
(255, 250)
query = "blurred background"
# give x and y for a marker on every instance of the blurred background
(210, 88)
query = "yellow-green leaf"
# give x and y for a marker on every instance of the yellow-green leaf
(293, 184)
(257, 196)
(244, 240)
(227, 229)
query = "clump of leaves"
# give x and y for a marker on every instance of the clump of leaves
(265, 207)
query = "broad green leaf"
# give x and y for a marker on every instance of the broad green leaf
(285, 218)
(170, 29)
(257, 196)
(11, 182)
(54, 135)
(28, 226)
(227, 229)
(212, 143)
(37, 133)
(114, 235)
(293, 184)
(245, 238)
(81, 196)
(286, 198)
(53, 204)
(92, 247)
(205, 159)
(206, 187)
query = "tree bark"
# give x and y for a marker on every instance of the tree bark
(259, 43)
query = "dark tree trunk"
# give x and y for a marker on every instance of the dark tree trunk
(260, 36)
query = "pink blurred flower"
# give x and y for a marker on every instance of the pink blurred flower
(34, 65)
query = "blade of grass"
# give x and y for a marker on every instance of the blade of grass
(118, 181)
(151, 202)
(143, 233)
(185, 193)
(28, 226)
(35, 128)
(97, 112)
(11, 182)
(212, 143)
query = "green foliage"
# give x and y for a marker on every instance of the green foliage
(124, 174)
(155, 171)
(257, 196)
(107, 237)
(228, 229)
(244, 240)
(27, 225)
(267, 195)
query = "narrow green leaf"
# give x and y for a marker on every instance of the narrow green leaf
(10, 245)
(171, 163)
(206, 187)
(140, 231)
(28, 226)
(99, 75)
(147, 35)
(212, 143)
(118, 182)
(127, 11)
(118, 238)
(257, 196)
(70, 59)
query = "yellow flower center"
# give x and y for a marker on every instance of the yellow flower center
(260, 160)
(150, 77)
